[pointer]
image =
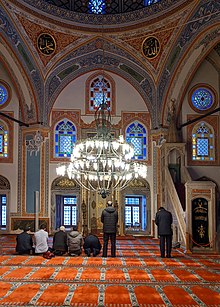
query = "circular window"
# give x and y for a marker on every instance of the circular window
(202, 98)
(3, 94)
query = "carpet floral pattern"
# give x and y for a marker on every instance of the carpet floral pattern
(137, 277)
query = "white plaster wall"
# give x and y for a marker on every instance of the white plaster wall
(127, 99)
(207, 74)
(10, 170)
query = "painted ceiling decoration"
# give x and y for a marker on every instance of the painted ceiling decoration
(74, 43)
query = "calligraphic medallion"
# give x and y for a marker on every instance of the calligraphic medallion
(46, 44)
(151, 47)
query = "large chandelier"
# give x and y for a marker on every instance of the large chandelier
(103, 163)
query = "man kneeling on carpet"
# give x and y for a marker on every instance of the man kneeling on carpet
(60, 242)
(92, 245)
(41, 243)
(74, 242)
(24, 242)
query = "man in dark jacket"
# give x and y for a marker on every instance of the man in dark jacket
(92, 245)
(164, 221)
(24, 242)
(60, 242)
(109, 218)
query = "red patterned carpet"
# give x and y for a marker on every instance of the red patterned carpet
(137, 277)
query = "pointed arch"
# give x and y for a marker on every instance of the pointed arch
(203, 142)
(98, 86)
(136, 134)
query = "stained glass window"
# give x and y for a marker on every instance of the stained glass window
(100, 90)
(202, 99)
(132, 211)
(3, 141)
(3, 94)
(97, 6)
(202, 142)
(137, 136)
(69, 211)
(3, 202)
(149, 2)
(65, 138)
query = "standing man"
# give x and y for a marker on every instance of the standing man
(109, 218)
(164, 221)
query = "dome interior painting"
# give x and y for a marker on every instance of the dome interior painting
(152, 70)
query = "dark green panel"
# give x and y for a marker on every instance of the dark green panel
(132, 72)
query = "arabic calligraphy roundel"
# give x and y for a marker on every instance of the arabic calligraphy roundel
(151, 47)
(46, 43)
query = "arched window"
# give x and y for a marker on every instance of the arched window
(65, 138)
(3, 140)
(100, 90)
(136, 135)
(203, 142)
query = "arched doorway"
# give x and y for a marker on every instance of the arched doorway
(136, 208)
(65, 203)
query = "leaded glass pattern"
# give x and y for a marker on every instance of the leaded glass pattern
(3, 95)
(97, 6)
(102, 6)
(100, 91)
(69, 211)
(202, 99)
(3, 210)
(132, 211)
(3, 141)
(65, 138)
(137, 136)
(203, 142)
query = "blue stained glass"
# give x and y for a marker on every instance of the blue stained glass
(202, 129)
(202, 147)
(3, 95)
(136, 135)
(65, 144)
(1, 144)
(65, 138)
(202, 99)
(138, 145)
(97, 6)
(149, 2)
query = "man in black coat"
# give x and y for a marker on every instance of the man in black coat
(60, 242)
(92, 245)
(109, 218)
(24, 242)
(164, 221)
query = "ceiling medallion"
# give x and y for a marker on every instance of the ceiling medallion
(46, 43)
(151, 47)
